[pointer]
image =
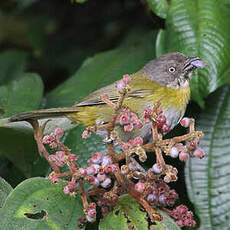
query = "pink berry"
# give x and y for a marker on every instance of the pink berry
(90, 219)
(161, 119)
(174, 152)
(185, 122)
(138, 124)
(147, 112)
(151, 198)
(59, 131)
(90, 170)
(126, 146)
(126, 79)
(82, 172)
(128, 128)
(85, 134)
(106, 183)
(156, 168)
(140, 187)
(120, 85)
(162, 199)
(101, 177)
(183, 156)
(106, 160)
(124, 119)
(199, 153)
(92, 212)
(182, 209)
(165, 128)
(60, 154)
(192, 145)
(138, 141)
(97, 158)
(72, 157)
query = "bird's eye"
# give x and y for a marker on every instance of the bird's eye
(172, 69)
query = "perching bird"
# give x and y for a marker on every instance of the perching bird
(165, 79)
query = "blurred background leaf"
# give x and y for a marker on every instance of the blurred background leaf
(104, 68)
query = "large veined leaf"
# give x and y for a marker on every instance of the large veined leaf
(201, 28)
(127, 215)
(159, 7)
(36, 203)
(208, 180)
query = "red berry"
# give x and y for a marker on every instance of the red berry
(185, 122)
(138, 141)
(183, 156)
(140, 187)
(126, 79)
(199, 153)
(165, 128)
(161, 119)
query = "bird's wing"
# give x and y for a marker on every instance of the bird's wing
(139, 93)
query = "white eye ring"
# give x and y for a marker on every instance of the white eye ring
(172, 69)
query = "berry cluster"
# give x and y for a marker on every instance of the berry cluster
(100, 170)
(182, 216)
(160, 120)
(114, 174)
(128, 120)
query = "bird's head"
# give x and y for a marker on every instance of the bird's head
(173, 70)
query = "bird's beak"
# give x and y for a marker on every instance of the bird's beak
(193, 63)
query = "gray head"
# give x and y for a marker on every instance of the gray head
(173, 70)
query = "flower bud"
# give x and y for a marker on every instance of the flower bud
(140, 187)
(120, 85)
(185, 122)
(198, 153)
(183, 156)
(106, 183)
(126, 79)
(174, 152)
(156, 168)
(59, 131)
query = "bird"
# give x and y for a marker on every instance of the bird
(165, 79)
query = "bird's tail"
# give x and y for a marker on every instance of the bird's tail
(39, 114)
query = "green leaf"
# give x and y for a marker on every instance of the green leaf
(208, 180)
(22, 4)
(19, 147)
(103, 69)
(5, 189)
(21, 95)
(83, 148)
(201, 28)
(127, 215)
(160, 40)
(38, 204)
(12, 64)
(159, 7)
